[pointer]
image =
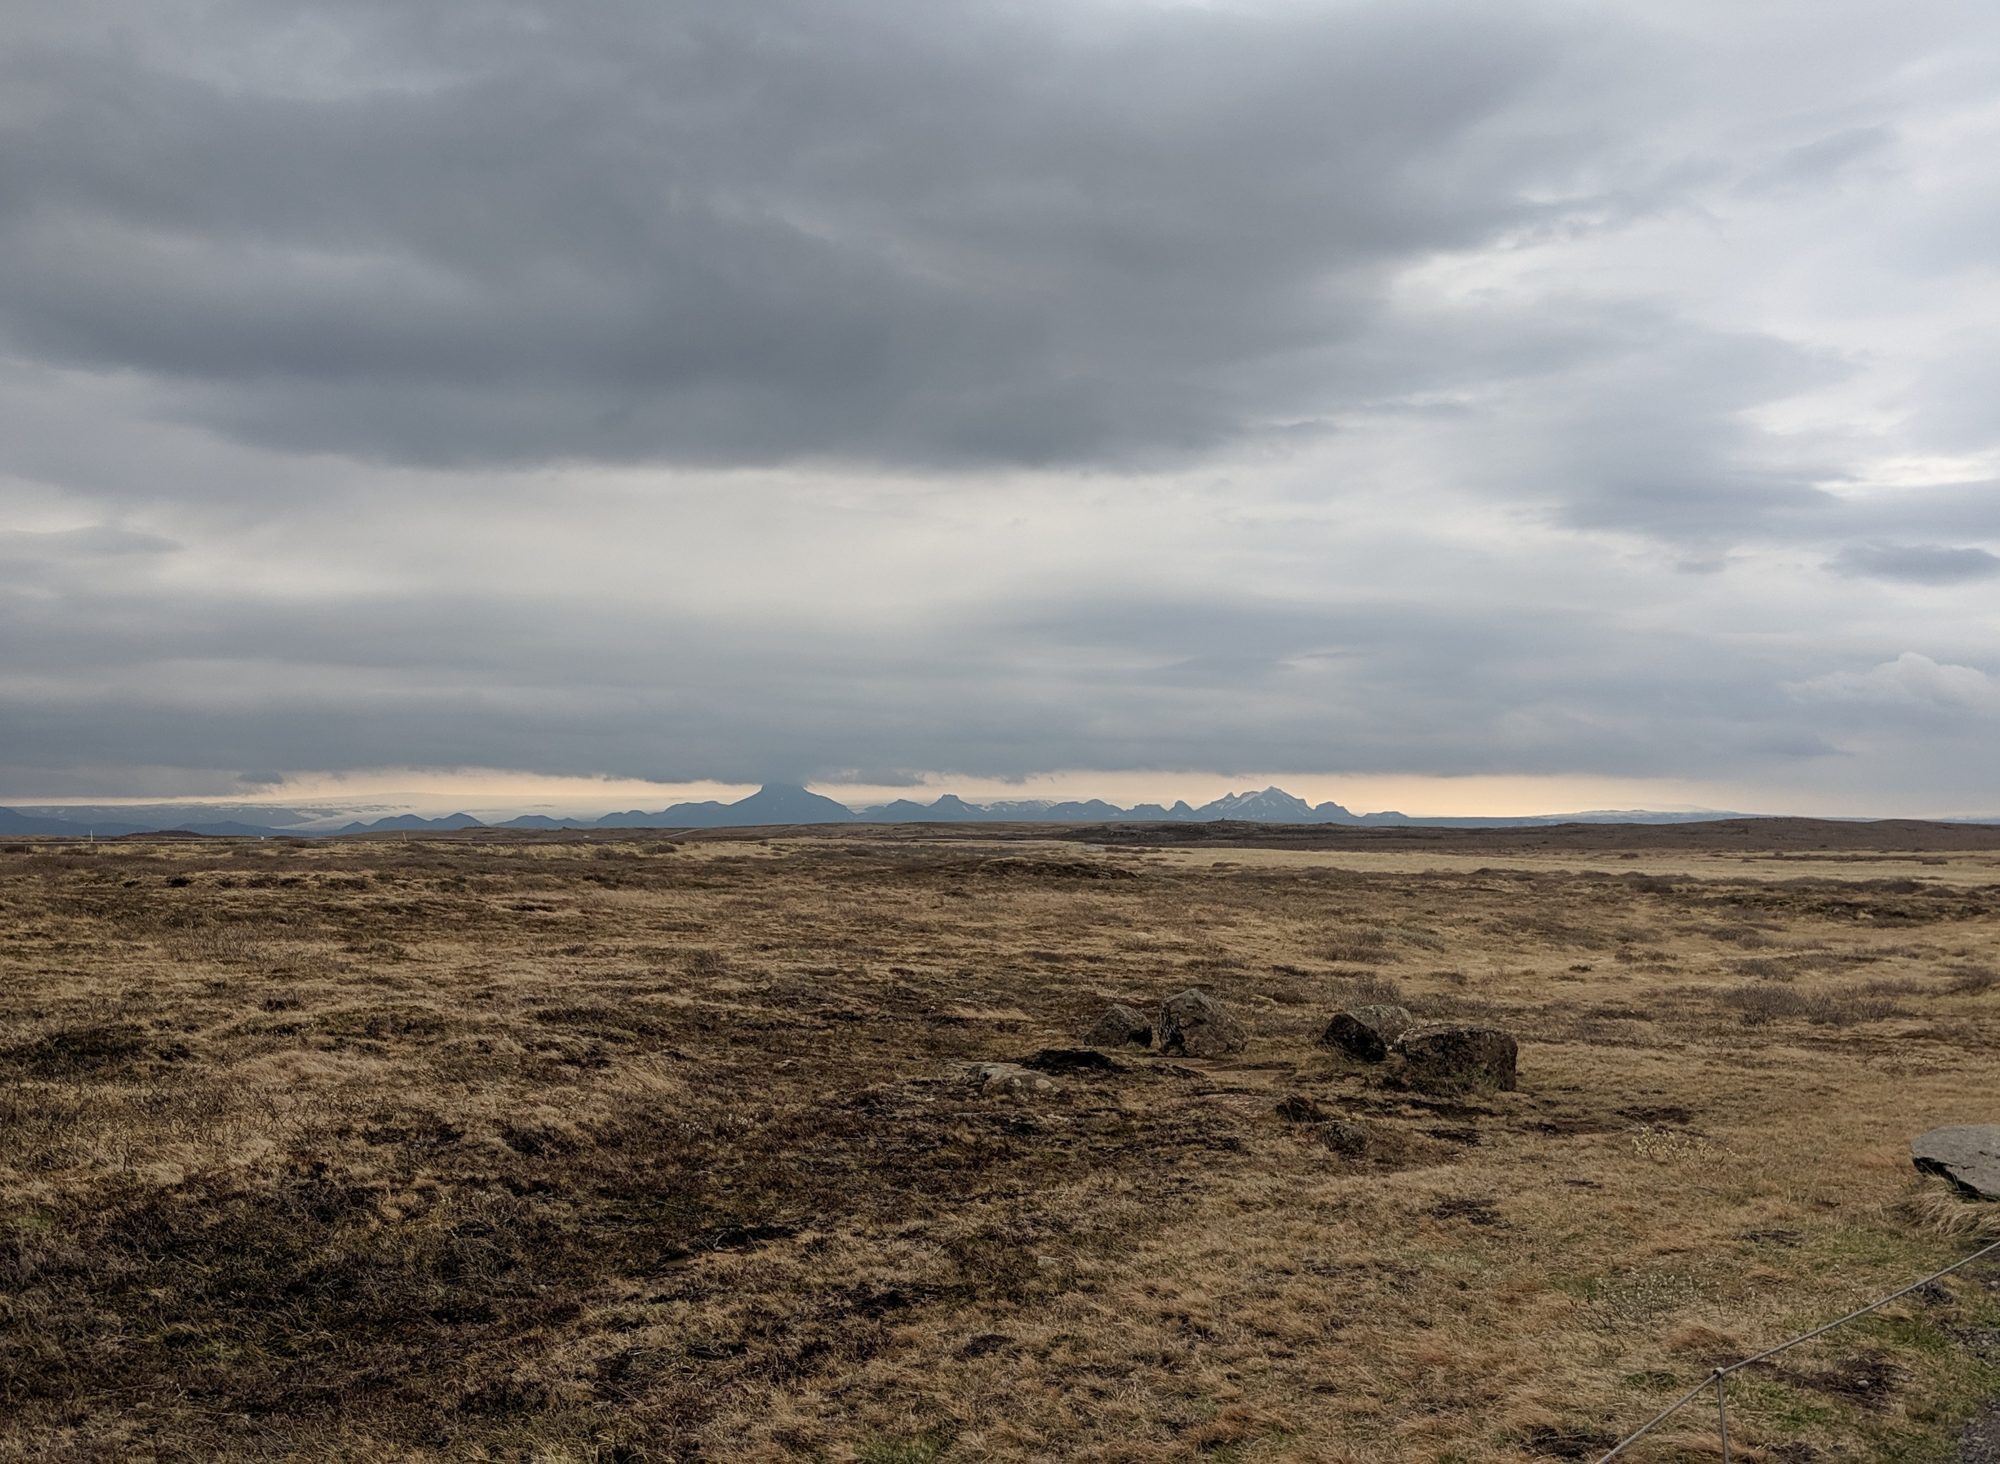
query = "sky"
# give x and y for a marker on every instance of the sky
(1443, 406)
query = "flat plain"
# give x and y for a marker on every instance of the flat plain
(646, 1148)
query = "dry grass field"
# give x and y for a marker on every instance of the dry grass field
(637, 1149)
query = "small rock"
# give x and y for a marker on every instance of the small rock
(1120, 1026)
(1353, 1140)
(1381, 1146)
(1003, 1077)
(1365, 1032)
(1442, 1059)
(1966, 1154)
(1195, 1024)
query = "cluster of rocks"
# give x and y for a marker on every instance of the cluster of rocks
(1193, 1024)
(1436, 1057)
(1433, 1057)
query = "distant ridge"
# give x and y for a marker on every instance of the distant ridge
(777, 804)
(774, 803)
(410, 823)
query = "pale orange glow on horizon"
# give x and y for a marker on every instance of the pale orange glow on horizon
(502, 793)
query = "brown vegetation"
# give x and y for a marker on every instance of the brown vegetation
(528, 1148)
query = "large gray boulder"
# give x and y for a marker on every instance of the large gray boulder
(1365, 1032)
(1195, 1024)
(1445, 1059)
(1120, 1026)
(1967, 1154)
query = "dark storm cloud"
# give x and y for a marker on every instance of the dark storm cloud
(461, 681)
(1937, 511)
(1919, 564)
(890, 233)
(884, 231)
(94, 541)
(1647, 433)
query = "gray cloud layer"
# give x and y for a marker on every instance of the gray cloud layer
(875, 231)
(1122, 384)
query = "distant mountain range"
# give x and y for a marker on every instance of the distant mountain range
(783, 803)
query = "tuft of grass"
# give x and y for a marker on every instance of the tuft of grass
(1971, 979)
(1936, 1207)
(1369, 989)
(924, 1449)
(1875, 1001)
(65, 1052)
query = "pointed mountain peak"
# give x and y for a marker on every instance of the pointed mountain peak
(1272, 805)
(788, 803)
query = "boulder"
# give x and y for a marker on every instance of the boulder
(1966, 1154)
(1195, 1024)
(1005, 1078)
(1365, 1032)
(1444, 1059)
(1120, 1026)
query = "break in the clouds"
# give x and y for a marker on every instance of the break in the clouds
(684, 391)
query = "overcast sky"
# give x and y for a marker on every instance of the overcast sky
(1562, 403)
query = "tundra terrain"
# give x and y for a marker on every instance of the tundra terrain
(649, 1148)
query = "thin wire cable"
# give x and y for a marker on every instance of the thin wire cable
(1863, 1311)
(1717, 1377)
(1658, 1418)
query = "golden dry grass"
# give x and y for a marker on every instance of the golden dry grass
(545, 1150)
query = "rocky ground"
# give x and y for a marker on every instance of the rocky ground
(1981, 1444)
